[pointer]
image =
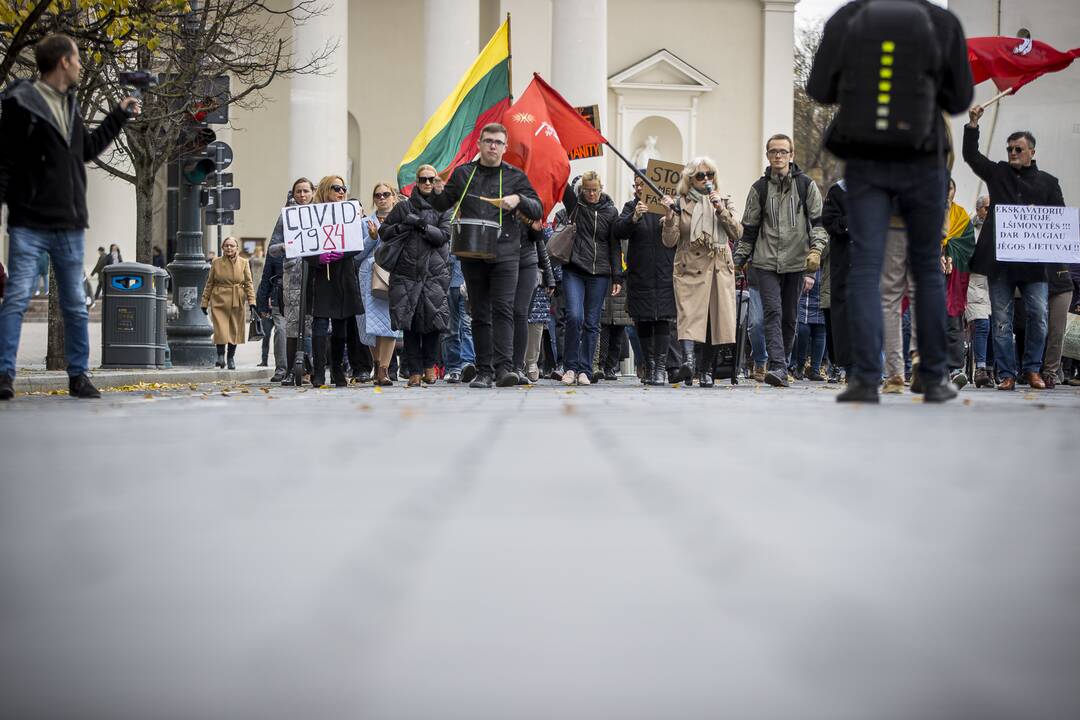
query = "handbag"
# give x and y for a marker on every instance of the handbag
(561, 244)
(255, 329)
(380, 282)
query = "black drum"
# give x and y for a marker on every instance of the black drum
(474, 239)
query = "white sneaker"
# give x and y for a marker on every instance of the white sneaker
(583, 379)
(568, 377)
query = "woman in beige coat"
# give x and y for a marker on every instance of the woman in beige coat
(700, 228)
(228, 286)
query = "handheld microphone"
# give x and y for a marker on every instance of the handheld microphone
(709, 191)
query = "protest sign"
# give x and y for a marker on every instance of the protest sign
(592, 114)
(323, 227)
(666, 176)
(1035, 234)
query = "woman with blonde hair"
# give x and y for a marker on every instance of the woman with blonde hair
(227, 287)
(335, 296)
(376, 330)
(700, 227)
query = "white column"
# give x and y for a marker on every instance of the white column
(530, 39)
(579, 61)
(778, 67)
(451, 44)
(318, 104)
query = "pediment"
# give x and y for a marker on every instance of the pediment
(663, 70)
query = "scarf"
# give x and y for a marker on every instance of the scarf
(703, 227)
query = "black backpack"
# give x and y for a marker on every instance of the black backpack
(888, 85)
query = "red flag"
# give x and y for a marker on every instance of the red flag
(1013, 62)
(543, 129)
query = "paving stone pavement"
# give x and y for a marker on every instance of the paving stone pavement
(601, 552)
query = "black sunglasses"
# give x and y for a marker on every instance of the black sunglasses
(1011, 149)
(340, 188)
(425, 180)
(704, 175)
(382, 195)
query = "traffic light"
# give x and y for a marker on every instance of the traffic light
(196, 162)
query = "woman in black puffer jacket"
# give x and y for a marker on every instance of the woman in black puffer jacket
(595, 267)
(420, 278)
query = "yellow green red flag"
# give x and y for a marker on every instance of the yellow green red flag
(482, 95)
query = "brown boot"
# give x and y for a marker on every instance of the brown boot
(758, 374)
(414, 381)
(1007, 384)
(382, 376)
(1035, 381)
(429, 376)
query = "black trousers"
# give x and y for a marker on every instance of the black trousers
(527, 280)
(492, 287)
(653, 335)
(955, 350)
(839, 262)
(674, 349)
(421, 350)
(780, 300)
(360, 359)
(613, 341)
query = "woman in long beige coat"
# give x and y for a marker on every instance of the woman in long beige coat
(228, 286)
(704, 273)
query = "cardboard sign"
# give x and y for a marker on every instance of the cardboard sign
(666, 176)
(1035, 234)
(592, 114)
(323, 227)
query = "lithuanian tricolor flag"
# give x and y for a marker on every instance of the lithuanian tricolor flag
(481, 96)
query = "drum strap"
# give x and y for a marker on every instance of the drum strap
(465, 192)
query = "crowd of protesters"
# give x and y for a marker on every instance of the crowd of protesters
(681, 277)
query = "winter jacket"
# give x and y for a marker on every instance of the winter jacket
(978, 298)
(534, 252)
(334, 288)
(954, 83)
(227, 295)
(650, 289)
(42, 172)
(1006, 186)
(784, 235)
(810, 303)
(269, 294)
(420, 280)
(540, 306)
(595, 251)
(491, 182)
(615, 310)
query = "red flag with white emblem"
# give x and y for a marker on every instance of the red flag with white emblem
(1013, 62)
(543, 128)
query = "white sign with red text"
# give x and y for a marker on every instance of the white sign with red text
(322, 227)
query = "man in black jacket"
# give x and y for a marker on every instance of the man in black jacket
(865, 48)
(43, 150)
(834, 218)
(492, 284)
(1015, 182)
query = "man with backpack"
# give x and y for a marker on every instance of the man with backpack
(783, 238)
(893, 66)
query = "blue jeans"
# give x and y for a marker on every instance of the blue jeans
(66, 249)
(978, 346)
(584, 299)
(1036, 306)
(459, 350)
(811, 342)
(919, 191)
(755, 323)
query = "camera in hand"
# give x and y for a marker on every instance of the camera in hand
(139, 81)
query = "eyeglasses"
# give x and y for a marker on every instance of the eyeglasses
(382, 195)
(704, 175)
(1014, 149)
(493, 142)
(340, 188)
(425, 180)
(778, 152)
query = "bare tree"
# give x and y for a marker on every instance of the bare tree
(811, 118)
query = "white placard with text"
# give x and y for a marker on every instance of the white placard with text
(1036, 234)
(322, 227)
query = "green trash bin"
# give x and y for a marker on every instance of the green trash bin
(130, 317)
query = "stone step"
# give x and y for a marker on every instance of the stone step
(38, 310)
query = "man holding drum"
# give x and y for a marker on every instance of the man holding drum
(485, 196)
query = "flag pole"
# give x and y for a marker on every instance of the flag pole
(636, 171)
(509, 62)
(997, 97)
